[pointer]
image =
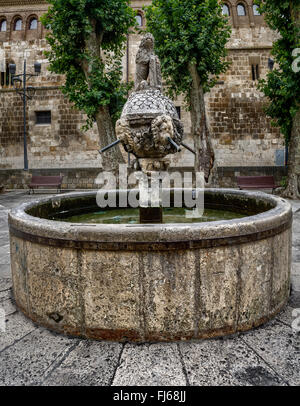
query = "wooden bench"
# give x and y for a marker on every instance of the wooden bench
(256, 182)
(50, 181)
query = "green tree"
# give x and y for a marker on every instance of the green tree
(190, 38)
(283, 83)
(86, 39)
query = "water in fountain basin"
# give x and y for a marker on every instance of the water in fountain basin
(131, 216)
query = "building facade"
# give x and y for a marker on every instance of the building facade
(242, 135)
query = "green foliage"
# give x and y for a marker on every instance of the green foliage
(282, 84)
(284, 182)
(72, 23)
(189, 31)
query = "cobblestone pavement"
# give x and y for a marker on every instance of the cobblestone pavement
(31, 355)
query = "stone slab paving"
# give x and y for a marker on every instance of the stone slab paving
(31, 355)
(227, 362)
(150, 365)
(279, 348)
(88, 364)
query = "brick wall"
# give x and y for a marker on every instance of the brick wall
(242, 134)
(61, 143)
(79, 178)
(11, 127)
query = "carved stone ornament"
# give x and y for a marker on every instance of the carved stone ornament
(149, 121)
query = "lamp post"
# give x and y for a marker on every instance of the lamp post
(26, 92)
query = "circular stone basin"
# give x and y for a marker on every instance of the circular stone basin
(157, 282)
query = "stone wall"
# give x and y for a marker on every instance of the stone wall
(61, 143)
(79, 178)
(242, 135)
(241, 132)
(85, 178)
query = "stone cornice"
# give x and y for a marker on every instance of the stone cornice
(21, 2)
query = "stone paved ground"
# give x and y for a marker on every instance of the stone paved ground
(31, 355)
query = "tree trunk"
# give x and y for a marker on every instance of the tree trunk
(113, 157)
(292, 190)
(204, 158)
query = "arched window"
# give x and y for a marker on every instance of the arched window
(225, 10)
(256, 10)
(33, 23)
(5, 78)
(3, 25)
(18, 24)
(139, 20)
(241, 11)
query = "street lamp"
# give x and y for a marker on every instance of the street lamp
(26, 92)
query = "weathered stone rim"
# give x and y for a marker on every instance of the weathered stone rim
(155, 236)
(149, 246)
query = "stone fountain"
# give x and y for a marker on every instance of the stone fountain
(157, 281)
(149, 127)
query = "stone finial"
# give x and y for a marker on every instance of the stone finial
(148, 70)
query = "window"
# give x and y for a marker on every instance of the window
(256, 11)
(18, 25)
(43, 117)
(3, 25)
(178, 109)
(225, 10)
(139, 20)
(33, 24)
(271, 63)
(255, 72)
(241, 11)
